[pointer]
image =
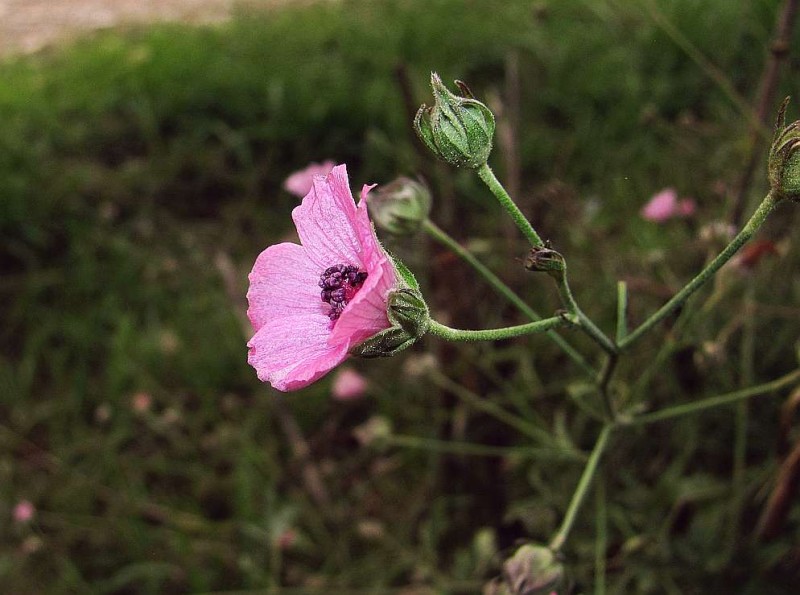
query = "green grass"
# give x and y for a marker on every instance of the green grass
(133, 163)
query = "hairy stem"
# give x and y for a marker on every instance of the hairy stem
(451, 334)
(579, 318)
(718, 401)
(707, 273)
(487, 175)
(497, 284)
(580, 492)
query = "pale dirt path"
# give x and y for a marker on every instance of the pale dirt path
(29, 25)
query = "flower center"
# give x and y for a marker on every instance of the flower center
(339, 284)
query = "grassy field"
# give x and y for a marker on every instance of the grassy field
(140, 176)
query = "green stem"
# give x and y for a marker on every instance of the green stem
(679, 298)
(622, 311)
(603, 382)
(487, 175)
(579, 318)
(443, 238)
(495, 334)
(580, 492)
(718, 401)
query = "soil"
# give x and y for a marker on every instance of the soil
(29, 25)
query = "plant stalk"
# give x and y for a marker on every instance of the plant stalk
(707, 273)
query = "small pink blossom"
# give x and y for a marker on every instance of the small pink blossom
(665, 205)
(310, 304)
(348, 385)
(141, 403)
(300, 182)
(24, 511)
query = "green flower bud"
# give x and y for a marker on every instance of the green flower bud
(409, 315)
(457, 129)
(401, 206)
(409, 311)
(533, 570)
(783, 168)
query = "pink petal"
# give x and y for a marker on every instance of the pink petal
(326, 222)
(283, 282)
(300, 182)
(365, 315)
(661, 206)
(292, 352)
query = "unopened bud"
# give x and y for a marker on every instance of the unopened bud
(457, 129)
(400, 207)
(533, 570)
(784, 158)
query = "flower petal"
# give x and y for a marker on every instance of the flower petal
(366, 315)
(283, 282)
(326, 221)
(292, 352)
(661, 206)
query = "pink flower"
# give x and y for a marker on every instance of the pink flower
(665, 205)
(348, 385)
(24, 511)
(141, 403)
(300, 182)
(310, 304)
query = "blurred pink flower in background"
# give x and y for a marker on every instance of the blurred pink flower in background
(141, 403)
(24, 511)
(348, 385)
(310, 304)
(300, 182)
(665, 205)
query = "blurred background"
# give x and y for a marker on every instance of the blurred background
(143, 151)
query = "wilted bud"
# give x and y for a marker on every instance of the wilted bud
(533, 570)
(400, 207)
(545, 260)
(784, 158)
(457, 129)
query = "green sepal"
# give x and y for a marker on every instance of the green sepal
(408, 310)
(408, 314)
(405, 273)
(386, 343)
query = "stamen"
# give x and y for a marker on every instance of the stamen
(339, 284)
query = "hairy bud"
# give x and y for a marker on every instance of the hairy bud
(457, 129)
